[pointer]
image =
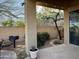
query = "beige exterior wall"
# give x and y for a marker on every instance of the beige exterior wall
(5, 32)
(66, 22)
(51, 30)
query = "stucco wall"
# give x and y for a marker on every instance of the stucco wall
(51, 30)
(5, 32)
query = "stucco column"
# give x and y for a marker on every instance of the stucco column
(31, 26)
(66, 27)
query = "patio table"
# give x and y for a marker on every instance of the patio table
(5, 54)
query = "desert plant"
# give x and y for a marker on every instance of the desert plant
(42, 38)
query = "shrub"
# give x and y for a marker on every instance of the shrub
(20, 24)
(8, 23)
(42, 38)
(6, 43)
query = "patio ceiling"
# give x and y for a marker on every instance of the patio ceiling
(61, 4)
(76, 11)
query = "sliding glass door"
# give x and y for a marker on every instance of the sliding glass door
(74, 27)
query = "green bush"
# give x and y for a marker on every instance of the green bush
(20, 24)
(8, 23)
(42, 38)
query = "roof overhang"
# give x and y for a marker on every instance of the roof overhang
(60, 4)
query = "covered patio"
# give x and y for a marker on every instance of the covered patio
(65, 51)
(31, 32)
(30, 15)
(60, 52)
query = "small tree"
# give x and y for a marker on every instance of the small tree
(55, 21)
(49, 15)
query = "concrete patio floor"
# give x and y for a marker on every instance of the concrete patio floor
(60, 52)
(57, 52)
(5, 54)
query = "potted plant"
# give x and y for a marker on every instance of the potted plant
(33, 52)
